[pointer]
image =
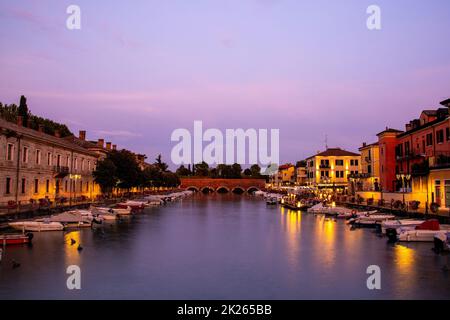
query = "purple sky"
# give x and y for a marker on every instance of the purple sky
(137, 70)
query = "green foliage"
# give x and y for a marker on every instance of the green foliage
(105, 175)
(256, 170)
(162, 166)
(182, 171)
(247, 172)
(201, 169)
(11, 112)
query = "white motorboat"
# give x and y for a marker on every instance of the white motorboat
(272, 201)
(110, 211)
(396, 224)
(425, 232)
(37, 226)
(370, 220)
(74, 219)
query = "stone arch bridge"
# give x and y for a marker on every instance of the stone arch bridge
(222, 185)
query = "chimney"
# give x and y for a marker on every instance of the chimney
(19, 121)
(82, 135)
(100, 143)
(41, 128)
(408, 126)
(364, 144)
(57, 133)
(114, 147)
(108, 146)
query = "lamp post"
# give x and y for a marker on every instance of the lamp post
(403, 178)
(74, 178)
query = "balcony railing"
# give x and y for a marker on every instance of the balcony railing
(441, 159)
(60, 171)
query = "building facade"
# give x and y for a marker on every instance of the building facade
(35, 165)
(370, 167)
(332, 168)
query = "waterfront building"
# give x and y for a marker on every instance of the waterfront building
(369, 177)
(415, 164)
(38, 166)
(301, 176)
(332, 168)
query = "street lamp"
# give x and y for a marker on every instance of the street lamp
(403, 178)
(73, 177)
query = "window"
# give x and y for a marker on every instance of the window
(49, 159)
(36, 185)
(75, 164)
(82, 164)
(68, 162)
(23, 185)
(8, 185)
(58, 160)
(47, 186)
(10, 152)
(339, 174)
(407, 148)
(339, 163)
(89, 165)
(440, 136)
(38, 156)
(25, 155)
(369, 169)
(447, 133)
(353, 162)
(429, 139)
(66, 186)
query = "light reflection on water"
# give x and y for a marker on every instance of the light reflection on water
(223, 247)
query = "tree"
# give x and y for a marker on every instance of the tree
(201, 169)
(236, 170)
(247, 172)
(255, 170)
(170, 179)
(23, 110)
(182, 171)
(159, 164)
(151, 176)
(105, 175)
(301, 163)
(128, 171)
(224, 171)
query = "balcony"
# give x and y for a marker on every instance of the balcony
(410, 156)
(60, 171)
(324, 166)
(440, 160)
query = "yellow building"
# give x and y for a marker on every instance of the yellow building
(370, 167)
(332, 168)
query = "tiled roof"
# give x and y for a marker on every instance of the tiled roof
(335, 152)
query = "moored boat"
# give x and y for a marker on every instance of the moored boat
(425, 232)
(37, 226)
(401, 223)
(15, 238)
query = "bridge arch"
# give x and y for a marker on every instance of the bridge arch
(238, 190)
(207, 189)
(252, 189)
(222, 189)
(193, 188)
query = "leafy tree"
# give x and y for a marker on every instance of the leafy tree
(201, 169)
(105, 175)
(160, 164)
(255, 170)
(213, 173)
(170, 180)
(247, 172)
(128, 171)
(182, 171)
(224, 171)
(151, 176)
(301, 163)
(236, 170)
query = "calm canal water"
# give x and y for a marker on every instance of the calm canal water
(223, 247)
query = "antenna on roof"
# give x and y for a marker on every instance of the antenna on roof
(326, 142)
